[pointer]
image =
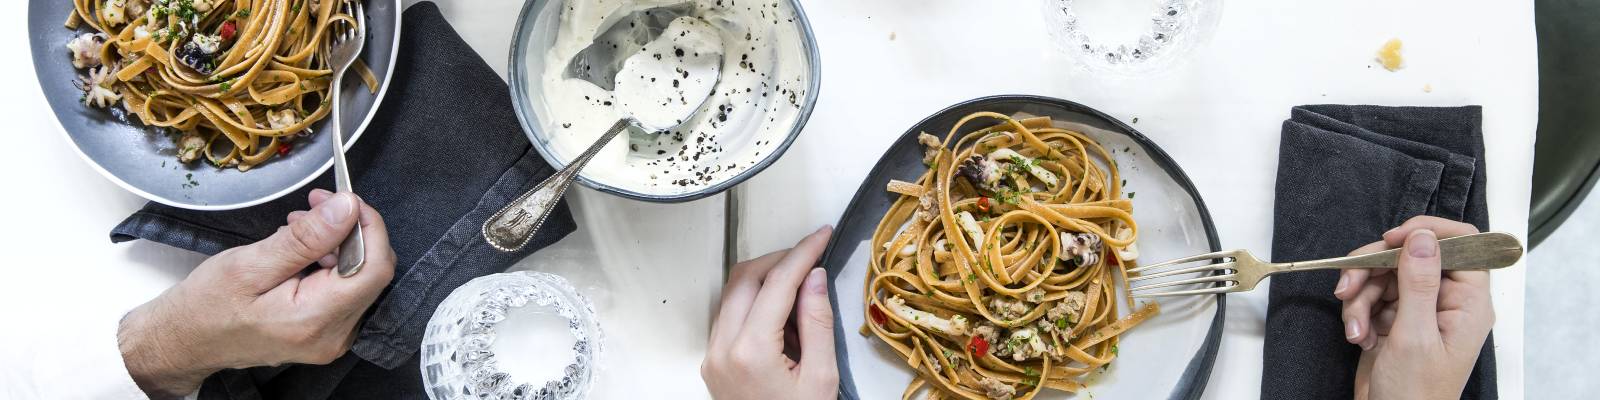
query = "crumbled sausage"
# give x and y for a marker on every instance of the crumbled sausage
(1007, 309)
(189, 147)
(1069, 308)
(931, 146)
(996, 389)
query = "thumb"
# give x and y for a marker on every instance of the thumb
(815, 317)
(299, 244)
(1418, 277)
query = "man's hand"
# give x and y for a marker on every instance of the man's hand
(257, 305)
(1420, 330)
(747, 357)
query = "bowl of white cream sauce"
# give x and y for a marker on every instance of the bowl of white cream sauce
(761, 93)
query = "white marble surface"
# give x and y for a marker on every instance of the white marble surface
(888, 64)
(1561, 317)
(654, 270)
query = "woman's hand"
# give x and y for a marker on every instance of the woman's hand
(255, 305)
(1420, 330)
(750, 355)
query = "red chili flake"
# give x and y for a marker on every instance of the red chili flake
(978, 346)
(228, 30)
(983, 204)
(877, 314)
(283, 149)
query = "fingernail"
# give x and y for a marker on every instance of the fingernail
(1338, 289)
(824, 228)
(338, 208)
(817, 281)
(321, 190)
(1423, 244)
(1367, 344)
(1352, 329)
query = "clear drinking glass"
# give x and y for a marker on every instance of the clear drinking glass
(1130, 37)
(516, 335)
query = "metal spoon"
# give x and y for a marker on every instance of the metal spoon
(650, 107)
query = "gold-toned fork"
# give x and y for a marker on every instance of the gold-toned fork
(1237, 271)
(348, 39)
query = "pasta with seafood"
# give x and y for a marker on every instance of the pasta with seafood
(994, 275)
(233, 82)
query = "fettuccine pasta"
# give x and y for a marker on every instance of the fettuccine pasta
(234, 81)
(994, 275)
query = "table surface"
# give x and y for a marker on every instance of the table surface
(1217, 114)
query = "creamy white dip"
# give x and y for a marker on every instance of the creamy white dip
(763, 81)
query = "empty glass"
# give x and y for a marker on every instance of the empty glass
(516, 335)
(1130, 37)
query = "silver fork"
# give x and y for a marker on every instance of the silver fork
(1238, 271)
(346, 46)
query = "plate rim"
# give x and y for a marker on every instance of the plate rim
(377, 101)
(1197, 371)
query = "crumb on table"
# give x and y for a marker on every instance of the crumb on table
(1389, 55)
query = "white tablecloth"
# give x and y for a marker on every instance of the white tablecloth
(888, 64)
(654, 270)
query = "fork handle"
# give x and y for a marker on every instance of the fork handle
(352, 251)
(1478, 251)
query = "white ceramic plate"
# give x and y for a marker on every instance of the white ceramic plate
(1168, 356)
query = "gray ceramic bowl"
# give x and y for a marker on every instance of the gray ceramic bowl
(535, 34)
(143, 161)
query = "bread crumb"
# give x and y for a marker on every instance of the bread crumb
(1389, 55)
(891, 36)
(1427, 88)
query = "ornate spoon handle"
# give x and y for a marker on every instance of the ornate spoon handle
(511, 227)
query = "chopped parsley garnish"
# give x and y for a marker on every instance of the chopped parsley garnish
(1018, 161)
(1130, 195)
(1009, 196)
(185, 9)
(242, 13)
(1029, 371)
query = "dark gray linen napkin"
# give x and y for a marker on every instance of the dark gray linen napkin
(443, 153)
(1346, 174)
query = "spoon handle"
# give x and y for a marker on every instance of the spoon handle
(510, 228)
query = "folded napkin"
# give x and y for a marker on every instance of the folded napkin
(444, 152)
(1346, 174)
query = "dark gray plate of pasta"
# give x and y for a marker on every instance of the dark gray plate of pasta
(206, 104)
(983, 258)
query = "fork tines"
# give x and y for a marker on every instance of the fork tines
(1220, 276)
